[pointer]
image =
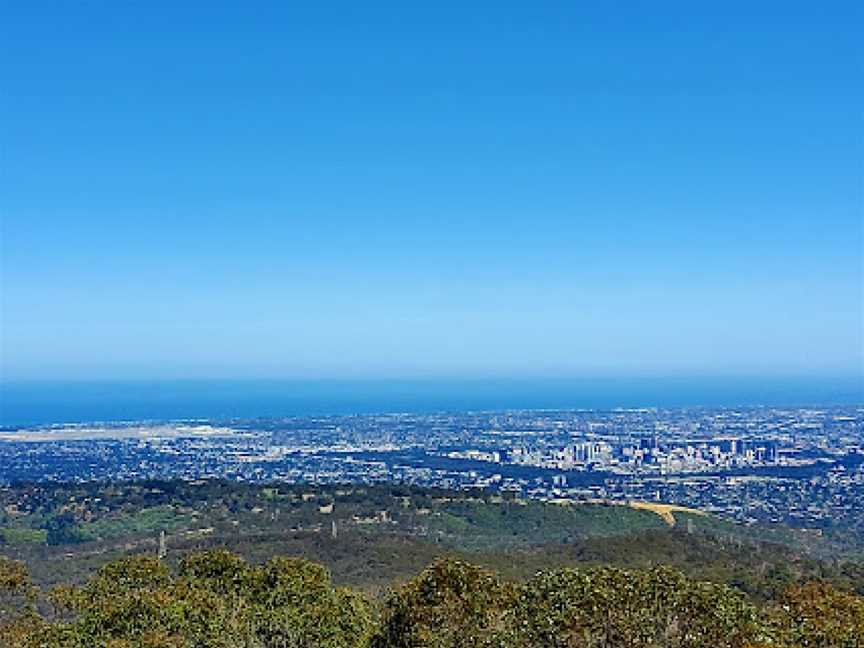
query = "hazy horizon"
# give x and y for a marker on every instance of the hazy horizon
(23, 404)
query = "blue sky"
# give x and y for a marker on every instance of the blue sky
(343, 190)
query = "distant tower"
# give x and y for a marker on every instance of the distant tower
(689, 526)
(333, 531)
(163, 548)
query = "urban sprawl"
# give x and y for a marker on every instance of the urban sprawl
(801, 466)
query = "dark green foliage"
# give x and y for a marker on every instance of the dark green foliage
(16, 590)
(63, 529)
(217, 600)
(519, 574)
(479, 524)
(13, 576)
(611, 607)
(817, 615)
(451, 604)
(455, 605)
(92, 524)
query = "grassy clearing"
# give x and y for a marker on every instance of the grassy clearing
(17, 536)
(665, 511)
(148, 520)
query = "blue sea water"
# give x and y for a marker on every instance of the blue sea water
(44, 403)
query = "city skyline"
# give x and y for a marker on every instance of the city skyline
(799, 466)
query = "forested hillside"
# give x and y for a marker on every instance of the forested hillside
(220, 564)
(372, 536)
(216, 599)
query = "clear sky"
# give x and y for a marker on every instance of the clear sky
(350, 190)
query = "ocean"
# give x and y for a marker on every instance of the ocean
(25, 404)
